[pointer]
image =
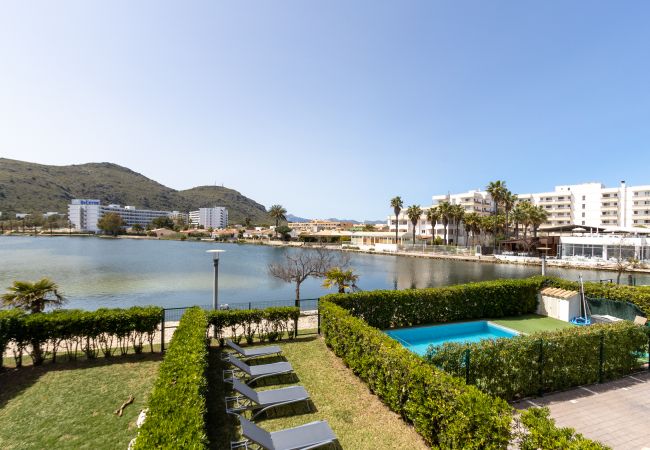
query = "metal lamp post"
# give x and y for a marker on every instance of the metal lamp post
(215, 289)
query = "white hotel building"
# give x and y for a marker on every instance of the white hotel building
(84, 214)
(586, 205)
(216, 217)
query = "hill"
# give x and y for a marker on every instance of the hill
(36, 188)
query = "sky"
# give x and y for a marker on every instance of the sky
(331, 108)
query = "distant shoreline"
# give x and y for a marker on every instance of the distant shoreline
(490, 259)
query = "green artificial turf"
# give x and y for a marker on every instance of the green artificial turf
(532, 323)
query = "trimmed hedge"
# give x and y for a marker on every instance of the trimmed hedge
(540, 432)
(105, 331)
(264, 324)
(445, 411)
(488, 299)
(177, 405)
(546, 361)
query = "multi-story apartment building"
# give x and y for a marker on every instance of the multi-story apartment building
(216, 217)
(84, 214)
(587, 204)
(314, 226)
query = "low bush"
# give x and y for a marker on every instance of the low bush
(538, 431)
(104, 331)
(546, 361)
(445, 411)
(264, 324)
(489, 299)
(177, 404)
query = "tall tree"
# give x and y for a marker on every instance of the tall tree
(472, 224)
(509, 202)
(278, 213)
(433, 214)
(497, 190)
(111, 223)
(457, 215)
(538, 216)
(414, 212)
(444, 208)
(518, 216)
(397, 204)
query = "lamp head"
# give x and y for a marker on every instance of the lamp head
(215, 253)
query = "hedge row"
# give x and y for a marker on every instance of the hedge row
(177, 405)
(445, 411)
(489, 299)
(105, 331)
(638, 295)
(538, 431)
(545, 361)
(264, 324)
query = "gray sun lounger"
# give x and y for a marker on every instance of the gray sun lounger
(304, 437)
(254, 373)
(258, 402)
(253, 352)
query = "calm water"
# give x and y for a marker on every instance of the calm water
(95, 272)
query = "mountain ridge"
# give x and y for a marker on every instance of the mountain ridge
(27, 187)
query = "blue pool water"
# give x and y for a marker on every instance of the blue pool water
(418, 339)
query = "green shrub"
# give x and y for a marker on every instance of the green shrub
(177, 404)
(489, 299)
(92, 332)
(539, 432)
(445, 411)
(265, 324)
(545, 361)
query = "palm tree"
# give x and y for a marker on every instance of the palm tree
(457, 214)
(518, 216)
(278, 213)
(433, 214)
(509, 202)
(497, 190)
(342, 279)
(33, 297)
(414, 212)
(538, 216)
(472, 224)
(396, 203)
(445, 214)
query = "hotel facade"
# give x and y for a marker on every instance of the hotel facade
(216, 217)
(586, 205)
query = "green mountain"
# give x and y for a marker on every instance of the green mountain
(36, 188)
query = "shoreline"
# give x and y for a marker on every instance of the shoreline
(489, 259)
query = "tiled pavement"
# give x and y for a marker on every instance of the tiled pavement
(615, 413)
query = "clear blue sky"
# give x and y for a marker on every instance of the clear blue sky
(332, 107)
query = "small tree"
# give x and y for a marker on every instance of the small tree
(163, 222)
(111, 223)
(284, 232)
(342, 279)
(137, 228)
(33, 297)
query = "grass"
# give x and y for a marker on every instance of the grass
(359, 419)
(532, 323)
(71, 404)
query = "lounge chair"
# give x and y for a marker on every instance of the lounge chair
(254, 373)
(640, 320)
(258, 402)
(253, 352)
(308, 436)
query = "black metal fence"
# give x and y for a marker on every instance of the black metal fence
(308, 308)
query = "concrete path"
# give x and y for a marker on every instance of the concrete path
(615, 413)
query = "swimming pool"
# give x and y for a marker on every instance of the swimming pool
(418, 339)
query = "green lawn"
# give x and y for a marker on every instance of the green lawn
(71, 404)
(359, 419)
(532, 323)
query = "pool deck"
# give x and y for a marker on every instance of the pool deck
(616, 413)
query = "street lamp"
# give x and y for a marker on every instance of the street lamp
(545, 249)
(215, 289)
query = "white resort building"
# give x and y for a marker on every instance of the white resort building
(586, 205)
(216, 217)
(84, 214)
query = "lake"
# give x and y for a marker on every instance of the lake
(97, 272)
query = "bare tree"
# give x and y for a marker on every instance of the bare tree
(299, 266)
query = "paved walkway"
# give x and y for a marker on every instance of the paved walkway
(615, 413)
